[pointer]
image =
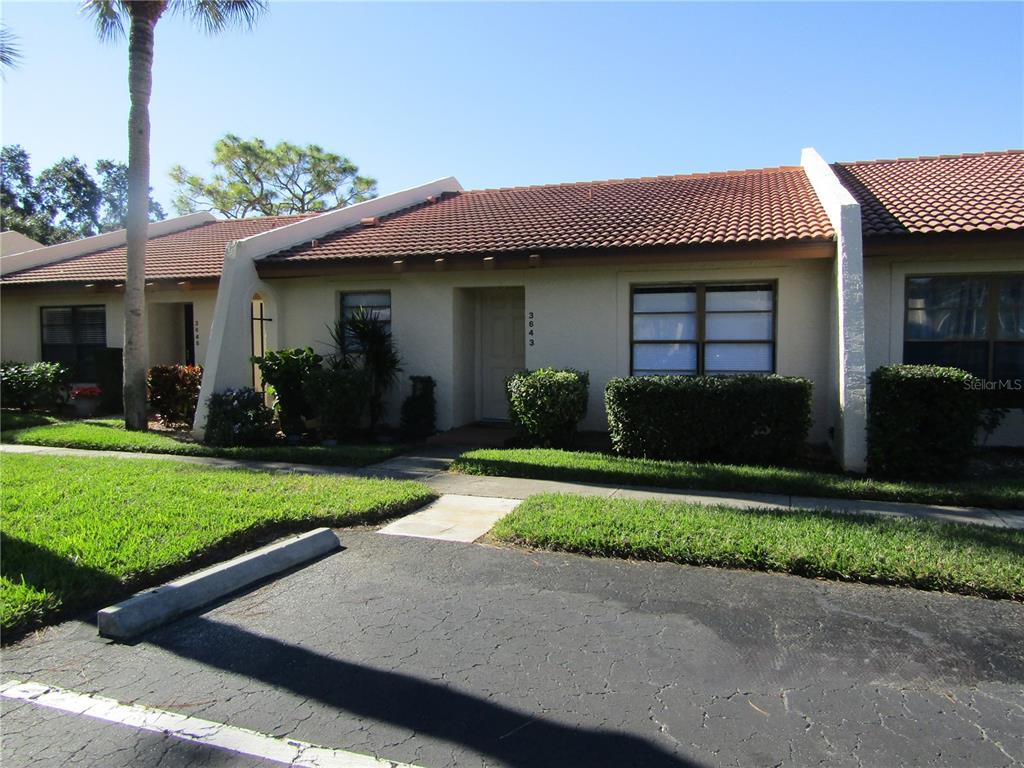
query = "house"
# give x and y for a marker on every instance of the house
(814, 270)
(63, 301)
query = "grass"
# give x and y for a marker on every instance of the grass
(966, 559)
(82, 532)
(539, 463)
(110, 435)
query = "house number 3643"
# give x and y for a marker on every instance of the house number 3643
(530, 329)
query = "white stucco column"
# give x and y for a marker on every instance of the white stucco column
(850, 370)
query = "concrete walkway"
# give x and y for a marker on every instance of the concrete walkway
(430, 466)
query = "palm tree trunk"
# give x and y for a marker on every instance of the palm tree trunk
(140, 84)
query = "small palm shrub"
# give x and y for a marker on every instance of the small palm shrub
(364, 342)
(545, 405)
(238, 417)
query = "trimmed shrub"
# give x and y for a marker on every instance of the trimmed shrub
(174, 392)
(33, 385)
(419, 411)
(546, 405)
(748, 419)
(239, 417)
(287, 371)
(339, 396)
(922, 421)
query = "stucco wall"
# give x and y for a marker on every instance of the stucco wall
(20, 337)
(885, 279)
(581, 316)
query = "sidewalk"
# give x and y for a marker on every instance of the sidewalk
(429, 465)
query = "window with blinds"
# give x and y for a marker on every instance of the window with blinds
(71, 335)
(703, 329)
(376, 304)
(972, 322)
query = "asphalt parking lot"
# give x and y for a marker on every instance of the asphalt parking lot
(441, 654)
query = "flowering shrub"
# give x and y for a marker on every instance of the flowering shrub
(174, 392)
(85, 393)
(239, 417)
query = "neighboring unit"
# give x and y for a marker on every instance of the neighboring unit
(63, 301)
(817, 270)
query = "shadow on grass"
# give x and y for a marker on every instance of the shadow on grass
(80, 587)
(43, 569)
(71, 583)
(431, 709)
(11, 421)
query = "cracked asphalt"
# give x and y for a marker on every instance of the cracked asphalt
(442, 654)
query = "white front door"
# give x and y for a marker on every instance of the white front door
(502, 346)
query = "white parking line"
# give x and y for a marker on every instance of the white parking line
(194, 729)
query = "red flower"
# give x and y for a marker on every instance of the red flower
(81, 393)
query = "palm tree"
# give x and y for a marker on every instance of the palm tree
(10, 53)
(141, 17)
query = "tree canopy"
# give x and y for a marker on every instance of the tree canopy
(250, 177)
(64, 201)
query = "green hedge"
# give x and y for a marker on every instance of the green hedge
(33, 385)
(922, 421)
(546, 405)
(747, 419)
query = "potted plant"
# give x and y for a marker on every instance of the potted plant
(86, 400)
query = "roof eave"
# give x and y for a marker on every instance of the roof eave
(803, 248)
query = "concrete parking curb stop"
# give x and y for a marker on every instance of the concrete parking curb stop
(155, 607)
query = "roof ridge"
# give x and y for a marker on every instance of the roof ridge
(666, 177)
(882, 161)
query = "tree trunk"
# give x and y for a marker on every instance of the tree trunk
(140, 84)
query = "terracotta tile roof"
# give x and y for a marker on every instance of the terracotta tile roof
(772, 204)
(951, 193)
(189, 254)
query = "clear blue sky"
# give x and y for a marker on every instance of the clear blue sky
(507, 94)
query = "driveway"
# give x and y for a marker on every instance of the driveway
(440, 654)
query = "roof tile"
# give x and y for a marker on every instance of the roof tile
(772, 204)
(949, 193)
(193, 253)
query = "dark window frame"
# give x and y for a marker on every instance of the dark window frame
(700, 314)
(81, 369)
(991, 338)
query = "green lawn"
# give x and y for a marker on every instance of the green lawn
(82, 532)
(110, 435)
(1002, 493)
(957, 558)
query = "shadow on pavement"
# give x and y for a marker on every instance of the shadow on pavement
(431, 709)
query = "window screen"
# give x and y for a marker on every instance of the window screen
(71, 335)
